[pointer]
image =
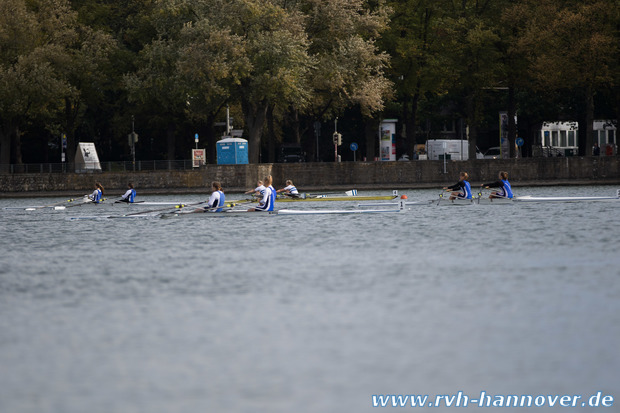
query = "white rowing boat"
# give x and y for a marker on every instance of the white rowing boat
(529, 198)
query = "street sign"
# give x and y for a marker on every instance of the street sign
(519, 142)
(353, 146)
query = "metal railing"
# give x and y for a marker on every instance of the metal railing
(119, 166)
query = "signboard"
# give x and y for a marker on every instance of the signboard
(86, 158)
(199, 157)
(519, 142)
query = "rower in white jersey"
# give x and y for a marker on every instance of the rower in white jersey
(268, 199)
(258, 191)
(216, 200)
(289, 190)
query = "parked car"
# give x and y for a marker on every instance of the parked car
(493, 153)
(290, 153)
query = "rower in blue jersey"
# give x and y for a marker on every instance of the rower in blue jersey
(216, 200)
(269, 185)
(97, 195)
(461, 189)
(289, 189)
(505, 190)
(268, 200)
(130, 195)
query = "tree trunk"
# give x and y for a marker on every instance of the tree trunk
(271, 135)
(254, 116)
(472, 124)
(411, 122)
(171, 141)
(70, 133)
(371, 132)
(589, 138)
(5, 148)
(16, 147)
(211, 140)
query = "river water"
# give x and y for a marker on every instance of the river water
(307, 313)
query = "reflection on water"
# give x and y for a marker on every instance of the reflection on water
(306, 313)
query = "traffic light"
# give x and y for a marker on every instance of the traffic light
(337, 138)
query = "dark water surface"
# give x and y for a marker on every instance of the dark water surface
(306, 313)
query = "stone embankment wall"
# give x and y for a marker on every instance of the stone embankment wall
(319, 176)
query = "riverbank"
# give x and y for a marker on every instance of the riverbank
(324, 176)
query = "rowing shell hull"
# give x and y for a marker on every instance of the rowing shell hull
(565, 198)
(324, 198)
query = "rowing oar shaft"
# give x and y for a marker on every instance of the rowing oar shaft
(164, 209)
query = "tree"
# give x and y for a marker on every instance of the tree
(32, 36)
(350, 68)
(415, 41)
(572, 46)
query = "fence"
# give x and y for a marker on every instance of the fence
(120, 166)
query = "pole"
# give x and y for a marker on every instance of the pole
(228, 121)
(335, 140)
(133, 143)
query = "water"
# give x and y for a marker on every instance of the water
(307, 313)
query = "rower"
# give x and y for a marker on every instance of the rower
(269, 184)
(258, 191)
(462, 189)
(505, 190)
(216, 200)
(97, 193)
(289, 190)
(130, 195)
(267, 201)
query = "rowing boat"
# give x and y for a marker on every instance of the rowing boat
(232, 212)
(334, 211)
(322, 198)
(529, 198)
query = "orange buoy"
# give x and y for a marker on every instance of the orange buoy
(403, 197)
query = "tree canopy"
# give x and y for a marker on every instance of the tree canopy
(287, 69)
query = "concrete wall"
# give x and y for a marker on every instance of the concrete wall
(316, 176)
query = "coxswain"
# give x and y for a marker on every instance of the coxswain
(289, 190)
(216, 200)
(130, 195)
(97, 194)
(461, 189)
(505, 190)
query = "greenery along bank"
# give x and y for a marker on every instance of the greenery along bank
(287, 69)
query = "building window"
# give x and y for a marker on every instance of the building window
(571, 138)
(554, 138)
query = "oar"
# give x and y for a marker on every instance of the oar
(90, 201)
(348, 193)
(163, 209)
(224, 207)
(51, 205)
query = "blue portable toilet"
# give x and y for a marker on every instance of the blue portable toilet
(232, 151)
